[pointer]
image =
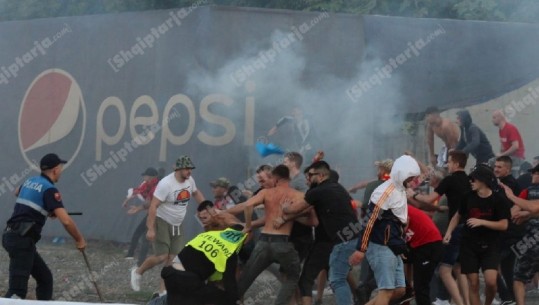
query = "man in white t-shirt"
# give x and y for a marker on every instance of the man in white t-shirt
(165, 216)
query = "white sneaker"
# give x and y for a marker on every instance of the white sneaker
(441, 302)
(135, 279)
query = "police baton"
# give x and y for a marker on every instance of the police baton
(92, 276)
(74, 213)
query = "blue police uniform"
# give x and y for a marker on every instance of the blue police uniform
(37, 198)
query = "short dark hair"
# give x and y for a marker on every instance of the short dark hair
(432, 110)
(321, 166)
(206, 204)
(505, 159)
(281, 171)
(334, 176)
(263, 168)
(237, 227)
(459, 157)
(295, 157)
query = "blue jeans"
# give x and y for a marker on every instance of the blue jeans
(338, 271)
(387, 267)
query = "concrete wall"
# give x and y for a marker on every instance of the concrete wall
(520, 106)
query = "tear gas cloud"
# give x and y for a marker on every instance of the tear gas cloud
(345, 128)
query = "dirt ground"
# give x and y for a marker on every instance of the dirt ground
(112, 271)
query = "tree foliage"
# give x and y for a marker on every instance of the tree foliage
(493, 10)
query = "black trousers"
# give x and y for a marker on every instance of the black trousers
(140, 232)
(23, 262)
(505, 279)
(425, 259)
(186, 288)
(316, 261)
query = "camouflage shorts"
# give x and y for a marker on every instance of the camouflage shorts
(526, 266)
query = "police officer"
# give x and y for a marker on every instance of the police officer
(37, 199)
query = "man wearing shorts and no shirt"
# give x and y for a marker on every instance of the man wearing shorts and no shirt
(165, 216)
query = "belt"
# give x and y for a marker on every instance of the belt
(273, 237)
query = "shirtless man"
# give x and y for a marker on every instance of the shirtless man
(212, 219)
(444, 129)
(273, 245)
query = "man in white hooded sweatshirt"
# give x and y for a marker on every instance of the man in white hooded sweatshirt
(382, 239)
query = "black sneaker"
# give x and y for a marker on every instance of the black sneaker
(407, 297)
(362, 295)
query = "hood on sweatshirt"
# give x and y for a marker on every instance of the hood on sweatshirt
(465, 118)
(403, 168)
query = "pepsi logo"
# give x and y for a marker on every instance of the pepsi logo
(52, 117)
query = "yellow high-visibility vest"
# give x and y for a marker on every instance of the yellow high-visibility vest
(218, 246)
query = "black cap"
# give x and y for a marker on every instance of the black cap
(485, 175)
(50, 161)
(535, 169)
(150, 171)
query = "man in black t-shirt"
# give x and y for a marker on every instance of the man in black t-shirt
(502, 169)
(527, 249)
(455, 187)
(485, 214)
(332, 204)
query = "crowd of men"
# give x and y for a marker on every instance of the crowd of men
(394, 222)
(303, 220)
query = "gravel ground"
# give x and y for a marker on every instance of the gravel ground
(112, 271)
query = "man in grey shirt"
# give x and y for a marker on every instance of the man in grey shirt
(293, 161)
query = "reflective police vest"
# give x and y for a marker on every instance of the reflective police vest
(31, 193)
(218, 246)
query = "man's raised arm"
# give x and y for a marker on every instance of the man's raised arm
(250, 204)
